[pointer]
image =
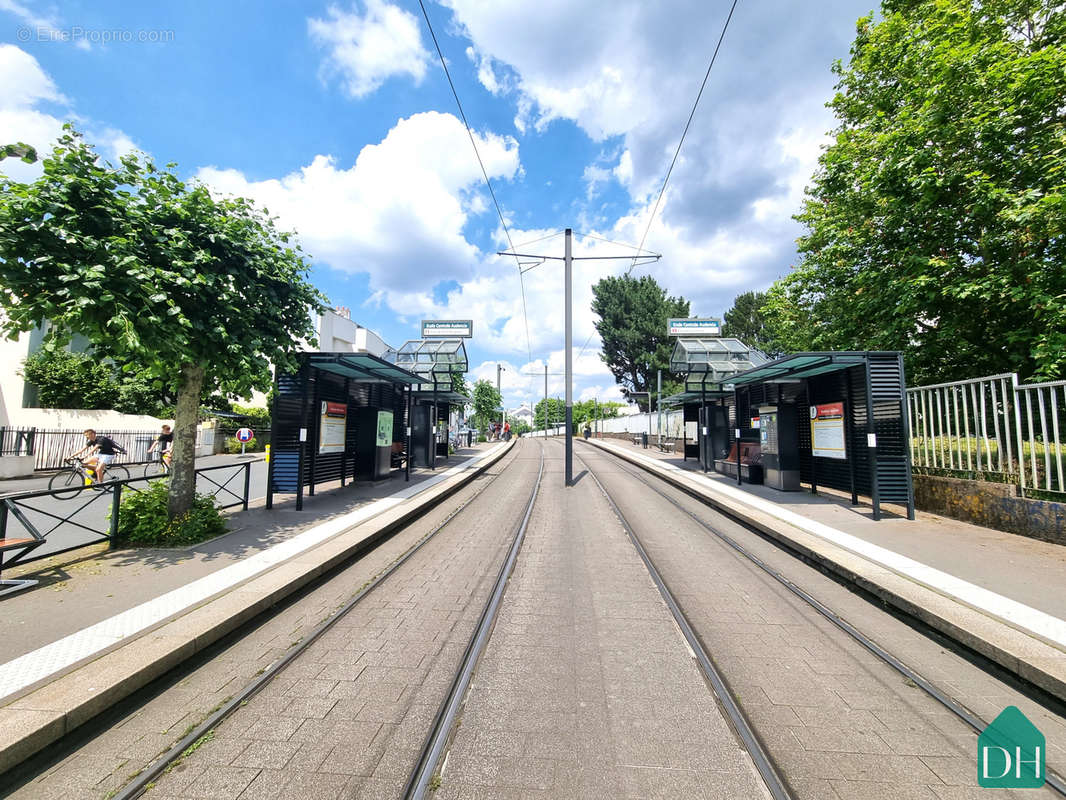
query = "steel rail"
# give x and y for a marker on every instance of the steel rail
(972, 720)
(141, 783)
(773, 780)
(418, 783)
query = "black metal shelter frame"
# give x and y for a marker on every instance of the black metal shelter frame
(872, 386)
(435, 361)
(359, 380)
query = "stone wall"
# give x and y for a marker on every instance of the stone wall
(991, 505)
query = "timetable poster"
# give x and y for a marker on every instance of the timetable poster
(333, 425)
(827, 430)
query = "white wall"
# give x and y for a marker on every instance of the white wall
(12, 354)
(337, 334)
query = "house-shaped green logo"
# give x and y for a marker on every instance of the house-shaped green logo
(1011, 752)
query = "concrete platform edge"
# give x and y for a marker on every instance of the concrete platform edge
(32, 721)
(1027, 657)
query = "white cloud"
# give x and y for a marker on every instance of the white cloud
(397, 214)
(28, 92)
(367, 49)
(631, 69)
(24, 83)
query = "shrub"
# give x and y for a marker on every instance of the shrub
(233, 446)
(143, 520)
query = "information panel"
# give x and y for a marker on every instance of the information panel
(333, 426)
(384, 429)
(447, 328)
(694, 326)
(827, 430)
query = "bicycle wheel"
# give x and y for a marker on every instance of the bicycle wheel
(154, 469)
(116, 472)
(66, 484)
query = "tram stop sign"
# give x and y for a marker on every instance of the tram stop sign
(245, 435)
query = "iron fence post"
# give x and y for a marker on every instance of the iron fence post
(1018, 429)
(116, 499)
(247, 482)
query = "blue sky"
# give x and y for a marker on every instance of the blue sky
(339, 119)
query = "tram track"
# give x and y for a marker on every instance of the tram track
(971, 720)
(420, 780)
(192, 739)
(768, 771)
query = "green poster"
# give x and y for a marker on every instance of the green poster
(384, 428)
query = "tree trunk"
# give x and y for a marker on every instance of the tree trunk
(183, 467)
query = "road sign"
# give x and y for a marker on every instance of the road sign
(245, 435)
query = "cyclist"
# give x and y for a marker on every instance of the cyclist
(165, 442)
(102, 451)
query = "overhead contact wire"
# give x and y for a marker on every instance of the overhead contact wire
(484, 173)
(684, 133)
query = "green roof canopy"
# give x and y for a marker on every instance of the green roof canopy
(361, 368)
(798, 366)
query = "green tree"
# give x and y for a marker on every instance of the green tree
(556, 412)
(70, 380)
(486, 400)
(935, 222)
(746, 321)
(591, 410)
(633, 314)
(156, 272)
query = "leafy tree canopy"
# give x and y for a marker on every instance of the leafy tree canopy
(632, 326)
(746, 321)
(935, 222)
(154, 272)
(486, 400)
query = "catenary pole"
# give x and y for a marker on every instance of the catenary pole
(545, 414)
(659, 410)
(568, 261)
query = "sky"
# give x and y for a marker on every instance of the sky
(339, 120)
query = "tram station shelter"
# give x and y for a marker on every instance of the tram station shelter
(831, 419)
(339, 416)
(434, 361)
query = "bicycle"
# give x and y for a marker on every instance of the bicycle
(157, 468)
(72, 479)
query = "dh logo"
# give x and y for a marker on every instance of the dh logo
(1011, 752)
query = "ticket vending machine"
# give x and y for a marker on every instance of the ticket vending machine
(779, 439)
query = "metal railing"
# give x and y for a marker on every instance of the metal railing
(992, 427)
(17, 441)
(92, 516)
(52, 446)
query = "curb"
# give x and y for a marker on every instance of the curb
(1022, 654)
(40, 717)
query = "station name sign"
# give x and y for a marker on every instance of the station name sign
(695, 326)
(447, 328)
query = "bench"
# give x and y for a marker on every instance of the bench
(638, 440)
(398, 456)
(666, 446)
(23, 545)
(750, 462)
